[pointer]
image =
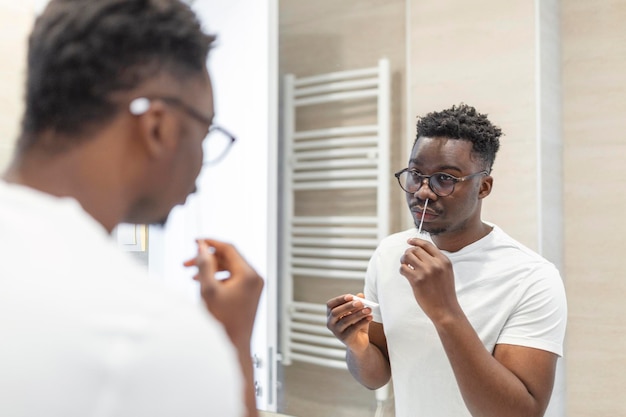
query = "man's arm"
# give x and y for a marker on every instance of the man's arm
(365, 340)
(513, 380)
(371, 367)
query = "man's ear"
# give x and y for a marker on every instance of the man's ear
(157, 130)
(486, 184)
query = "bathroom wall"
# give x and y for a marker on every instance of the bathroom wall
(16, 19)
(483, 53)
(594, 105)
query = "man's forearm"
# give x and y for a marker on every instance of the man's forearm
(245, 361)
(488, 387)
(370, 367)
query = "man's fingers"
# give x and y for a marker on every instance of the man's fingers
(205, 261)
(424, 245)
(190, 262)
(336, 301)
(226, 256)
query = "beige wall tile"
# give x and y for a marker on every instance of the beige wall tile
(485, 56)
(594, 104)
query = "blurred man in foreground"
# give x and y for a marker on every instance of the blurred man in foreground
(118, 104)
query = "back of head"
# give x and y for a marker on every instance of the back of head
(466, 123)
(81, 52)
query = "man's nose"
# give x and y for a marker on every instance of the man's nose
(424, 191)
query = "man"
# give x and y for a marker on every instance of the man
(471, 322)
(118, 103)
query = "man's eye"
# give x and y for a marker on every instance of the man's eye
(445, 178)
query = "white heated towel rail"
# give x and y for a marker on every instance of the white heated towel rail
(337, 158)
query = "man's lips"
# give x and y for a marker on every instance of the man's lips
(418, 211)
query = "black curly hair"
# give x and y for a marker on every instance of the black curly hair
(466, 123)
(82, 51)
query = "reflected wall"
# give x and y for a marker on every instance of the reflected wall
(15, 24)
(594, 105)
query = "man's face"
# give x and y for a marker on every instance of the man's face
(455, 212)
(173, 177)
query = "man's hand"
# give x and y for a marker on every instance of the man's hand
(233, 300)
(349, 320)
(431, 277)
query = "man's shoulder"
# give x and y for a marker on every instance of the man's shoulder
(501, 239)
(510, 254)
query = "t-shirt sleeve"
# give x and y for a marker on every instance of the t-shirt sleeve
(540, 318)
(370, 290)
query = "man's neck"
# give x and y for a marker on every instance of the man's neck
(72, 174)
(455, 241)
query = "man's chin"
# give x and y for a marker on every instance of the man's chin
(160, 223)
(430, 232)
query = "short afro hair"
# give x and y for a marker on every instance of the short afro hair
(466, 123)
(82, 51)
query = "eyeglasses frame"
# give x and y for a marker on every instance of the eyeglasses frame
(428, 177)
(140, 105)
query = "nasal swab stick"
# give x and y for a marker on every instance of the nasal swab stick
(419, 229)
(367, 303)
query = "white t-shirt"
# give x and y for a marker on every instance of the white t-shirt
(85, 333)
(509, 293)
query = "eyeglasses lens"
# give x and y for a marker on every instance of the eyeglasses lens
(216, 145)
(440, 184)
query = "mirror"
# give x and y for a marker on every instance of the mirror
(503, 59)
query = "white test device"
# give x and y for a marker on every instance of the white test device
(367, 303)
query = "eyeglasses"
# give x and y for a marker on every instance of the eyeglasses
(440, 183)
(217, 144)
(218, 140)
